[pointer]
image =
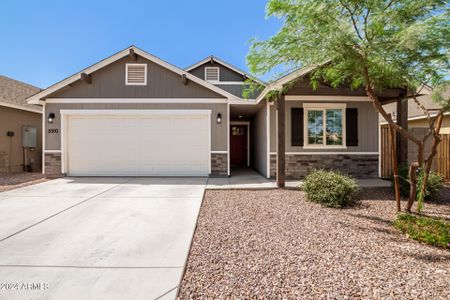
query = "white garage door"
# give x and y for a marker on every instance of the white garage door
(149, 143)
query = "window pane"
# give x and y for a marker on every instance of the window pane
(315, 127)
(334, 126)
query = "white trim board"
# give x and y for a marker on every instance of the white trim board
(379, 146)
(328, 153)
(230, 83)
(44, 131)
(228, 140)
(137, 100)
(52, 151)
(268, 139)
(10, 105)
(243, 102)
(327, 98)
(219, 152)
(119, 112)
(36, 99)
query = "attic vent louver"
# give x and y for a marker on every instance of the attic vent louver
(136, 74)
(212, 74)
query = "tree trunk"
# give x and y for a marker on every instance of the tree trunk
(429, 162)
(413, 185)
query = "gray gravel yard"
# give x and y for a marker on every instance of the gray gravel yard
(16, 180)
(274, 244)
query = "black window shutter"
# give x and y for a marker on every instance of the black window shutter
(297, 126)
(351, 126)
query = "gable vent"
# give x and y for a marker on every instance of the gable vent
(212, 74)
(136, 74)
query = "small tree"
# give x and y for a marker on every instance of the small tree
(373, 44)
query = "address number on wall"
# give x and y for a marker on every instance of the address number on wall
(53, 130)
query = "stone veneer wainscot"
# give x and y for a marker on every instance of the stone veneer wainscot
(356, 165)
(219, 164)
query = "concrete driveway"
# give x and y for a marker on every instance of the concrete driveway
(97, 238)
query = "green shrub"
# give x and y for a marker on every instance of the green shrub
(330, 188)
(428, 230)
(435, 182)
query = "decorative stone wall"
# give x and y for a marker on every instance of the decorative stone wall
(219, 164)
(53, 164)
(299, 165)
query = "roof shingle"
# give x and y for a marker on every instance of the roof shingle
(14, 93)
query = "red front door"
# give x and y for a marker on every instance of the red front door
(238, 145)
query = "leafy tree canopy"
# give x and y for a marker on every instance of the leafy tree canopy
(402, 43)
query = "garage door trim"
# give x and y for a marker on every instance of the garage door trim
(123, 112)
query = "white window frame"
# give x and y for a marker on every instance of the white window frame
(126, 74)
(218, 74)
(323, 107)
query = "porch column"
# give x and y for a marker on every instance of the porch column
(402, 120)
(281, 145)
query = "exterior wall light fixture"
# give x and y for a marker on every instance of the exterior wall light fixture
(51, 118)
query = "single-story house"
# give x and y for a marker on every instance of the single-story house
(133, 114)
(20, 127)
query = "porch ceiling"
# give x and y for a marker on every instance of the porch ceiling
(244, 111)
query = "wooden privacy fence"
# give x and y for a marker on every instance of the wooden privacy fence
(441, 162)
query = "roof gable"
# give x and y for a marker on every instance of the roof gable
(232, 73)
(127, 53)
(109, 82)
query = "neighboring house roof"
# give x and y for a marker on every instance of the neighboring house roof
(229, 66)
(37, 98)
(14, 93)
(414, 111)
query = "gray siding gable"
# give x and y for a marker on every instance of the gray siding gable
(226, 74)
(109, 82)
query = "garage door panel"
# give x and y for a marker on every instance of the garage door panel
(147, 145)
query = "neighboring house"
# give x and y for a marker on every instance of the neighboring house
(416, 116)
(16, 118)
(418, 125)
(135, 114)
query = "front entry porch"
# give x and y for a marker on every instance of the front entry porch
(245, 178)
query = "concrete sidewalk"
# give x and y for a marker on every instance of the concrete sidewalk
(98, 238)
(248, 178)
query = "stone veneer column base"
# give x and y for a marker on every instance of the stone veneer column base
(219, 164)
(52, 165)
(299, 165)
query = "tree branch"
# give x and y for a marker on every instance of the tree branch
(355, 26)
(379, 107)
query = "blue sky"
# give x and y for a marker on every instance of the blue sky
(45, 41)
